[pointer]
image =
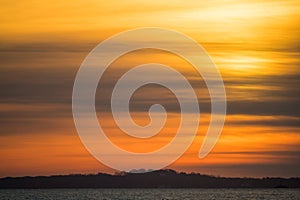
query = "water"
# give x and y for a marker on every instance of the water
(71, 194)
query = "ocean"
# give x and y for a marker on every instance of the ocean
(72, 194)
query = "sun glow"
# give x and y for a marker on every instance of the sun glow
(254, 44)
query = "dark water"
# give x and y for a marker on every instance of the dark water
(67, 194)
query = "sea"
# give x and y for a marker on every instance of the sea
(161, 194)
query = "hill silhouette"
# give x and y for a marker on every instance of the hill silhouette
(155, 179)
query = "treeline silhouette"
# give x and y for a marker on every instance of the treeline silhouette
(155, 179)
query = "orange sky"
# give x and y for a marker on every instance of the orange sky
(255, 46)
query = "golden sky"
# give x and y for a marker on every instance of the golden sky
(255, 45)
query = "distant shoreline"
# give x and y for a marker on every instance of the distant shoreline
(161, 179)
(149, 188)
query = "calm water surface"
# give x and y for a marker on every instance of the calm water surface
(68, 194)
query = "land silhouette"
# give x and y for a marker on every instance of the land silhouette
(154, 179)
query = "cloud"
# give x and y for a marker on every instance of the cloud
(36, 82)
(284, 168)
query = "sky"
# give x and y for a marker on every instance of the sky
(255, 45)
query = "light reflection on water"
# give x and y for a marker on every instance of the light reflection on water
(68, 194)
